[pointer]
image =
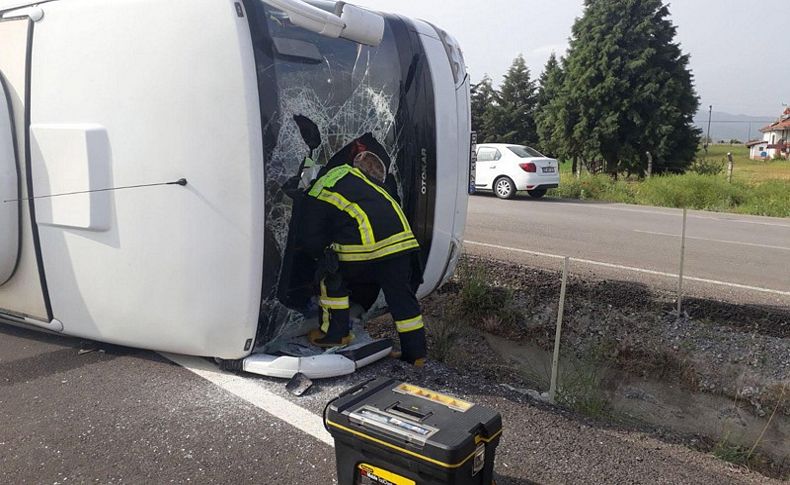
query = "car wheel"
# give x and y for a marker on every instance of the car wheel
(504, 188)
(537, 193)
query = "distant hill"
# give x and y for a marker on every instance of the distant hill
(727, 126)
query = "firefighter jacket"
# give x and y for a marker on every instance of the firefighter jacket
(356, 217)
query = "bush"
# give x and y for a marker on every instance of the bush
(444, 335)
(480, 301)
(703, 166)
(771, 198)
(703, 191)
(579, 386)
(596, 187)
(693, 191)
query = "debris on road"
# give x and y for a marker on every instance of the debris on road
(299, 384)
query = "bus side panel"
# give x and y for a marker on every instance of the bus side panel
(136, 92)
(447, 147)
(22, 294)
(463, 160)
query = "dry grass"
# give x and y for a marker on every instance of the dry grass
(444, 336)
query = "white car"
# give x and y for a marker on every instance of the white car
(506, 169)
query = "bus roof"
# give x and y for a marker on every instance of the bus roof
(12, 4)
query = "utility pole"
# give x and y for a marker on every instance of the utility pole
(707, 139)
(785, 151)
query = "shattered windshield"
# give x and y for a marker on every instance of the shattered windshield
(346, 89)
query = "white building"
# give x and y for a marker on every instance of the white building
(775, 142)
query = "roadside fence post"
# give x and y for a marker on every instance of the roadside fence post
(555, 361)
(649, 164)
(730, 166)
(682, 261)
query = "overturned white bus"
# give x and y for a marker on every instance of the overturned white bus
(106, 106)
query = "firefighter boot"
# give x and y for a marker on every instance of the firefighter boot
(413, 348)
(320, 339)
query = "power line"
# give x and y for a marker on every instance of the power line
(735, 121)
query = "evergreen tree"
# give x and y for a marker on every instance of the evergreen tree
(628, 89)
(546, 119)
(495, 121)
(550, 81)
(483, 96)
(511, 118)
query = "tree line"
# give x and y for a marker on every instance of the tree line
(622, 95)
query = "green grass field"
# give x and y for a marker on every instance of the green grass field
(749, 170)
(758, 188)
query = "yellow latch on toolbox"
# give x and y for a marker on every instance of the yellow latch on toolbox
(449, 401)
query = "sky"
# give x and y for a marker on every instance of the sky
(740, 50)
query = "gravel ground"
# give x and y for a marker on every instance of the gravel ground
(129, 416)
(125, 415)
(737, 350)
(547, 445)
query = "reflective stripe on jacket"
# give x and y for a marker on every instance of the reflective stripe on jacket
(364, 222)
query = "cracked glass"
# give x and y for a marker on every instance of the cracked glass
(347, 90)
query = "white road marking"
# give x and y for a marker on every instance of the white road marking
(713, 240)
(631, 268)
(742, 221)
(259, 397)
(676, 212)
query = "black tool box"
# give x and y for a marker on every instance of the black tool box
(389, 432)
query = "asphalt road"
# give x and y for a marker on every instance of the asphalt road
(128, 416)
(118, 415)
(728, 256)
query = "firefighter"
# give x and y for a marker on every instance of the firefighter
(360, 236)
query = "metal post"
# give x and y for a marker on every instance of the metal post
(730, 166)
(682, 261)
(708, 140)
(555, 361)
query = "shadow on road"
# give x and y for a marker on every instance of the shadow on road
(64, 358)
(523, 196)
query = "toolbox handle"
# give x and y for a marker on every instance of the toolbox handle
(355, 388)
(351, 390)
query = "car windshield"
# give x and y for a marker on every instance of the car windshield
(524, 151)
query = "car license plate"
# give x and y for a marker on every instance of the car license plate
(548, 169)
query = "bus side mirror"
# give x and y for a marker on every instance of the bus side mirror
(362, 25)
(348, 21)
